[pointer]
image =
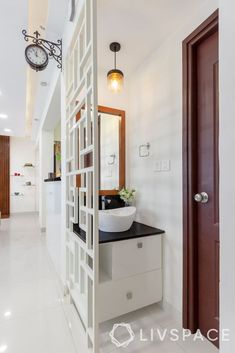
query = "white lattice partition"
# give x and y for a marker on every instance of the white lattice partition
(82, 171)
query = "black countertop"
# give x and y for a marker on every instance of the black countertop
(54, 179)
(137, 230)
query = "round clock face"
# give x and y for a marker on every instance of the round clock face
(36, 57)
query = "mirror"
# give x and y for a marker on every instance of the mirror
(111, 150)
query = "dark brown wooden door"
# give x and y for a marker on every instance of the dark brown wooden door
(201, 179)
(5, 176)
(207, 172)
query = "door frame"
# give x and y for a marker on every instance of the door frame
(190, 259)
(5, 176)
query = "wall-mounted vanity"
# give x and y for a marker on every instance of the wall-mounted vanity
(130, 262)
(130, 270)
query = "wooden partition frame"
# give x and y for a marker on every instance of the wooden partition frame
(122, 147)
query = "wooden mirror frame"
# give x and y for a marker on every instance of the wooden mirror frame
(122, 147)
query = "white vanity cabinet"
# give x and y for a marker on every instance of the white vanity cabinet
(130, 275)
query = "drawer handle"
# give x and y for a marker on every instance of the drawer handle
(129, 295)
(140, 245)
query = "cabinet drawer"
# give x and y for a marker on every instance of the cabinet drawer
(120, 297)
(135, 256)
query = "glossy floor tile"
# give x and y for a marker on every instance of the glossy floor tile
(32, 317)
(151, 327)
(36, 318)
(44, 331)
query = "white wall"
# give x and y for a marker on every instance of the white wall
(155, 116)
(46, 165)
(57, 132)
(45, 140)
(227, 170)
(22, 150)
(37, 177)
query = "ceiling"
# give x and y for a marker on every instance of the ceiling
(13, 18)
(140, 26)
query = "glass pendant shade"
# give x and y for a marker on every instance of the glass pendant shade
(115, 80)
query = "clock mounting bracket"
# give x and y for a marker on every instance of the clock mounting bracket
(53, 49)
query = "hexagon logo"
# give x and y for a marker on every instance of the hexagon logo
(116, 341)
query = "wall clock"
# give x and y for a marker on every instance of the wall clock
(36, 56)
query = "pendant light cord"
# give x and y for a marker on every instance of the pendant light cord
(115, 60)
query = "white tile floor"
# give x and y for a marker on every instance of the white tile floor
(35, 318)
(152, 317)
(32, 317)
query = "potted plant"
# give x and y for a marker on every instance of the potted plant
(127, 195)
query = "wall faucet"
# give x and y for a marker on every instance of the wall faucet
(104, 201)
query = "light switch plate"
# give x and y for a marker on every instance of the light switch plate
(158, 166)
(166, 165)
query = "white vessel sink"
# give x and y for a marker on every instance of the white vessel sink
(116, 220)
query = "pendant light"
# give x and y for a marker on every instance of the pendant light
(115, 77)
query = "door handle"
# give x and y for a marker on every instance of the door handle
(202, 197)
